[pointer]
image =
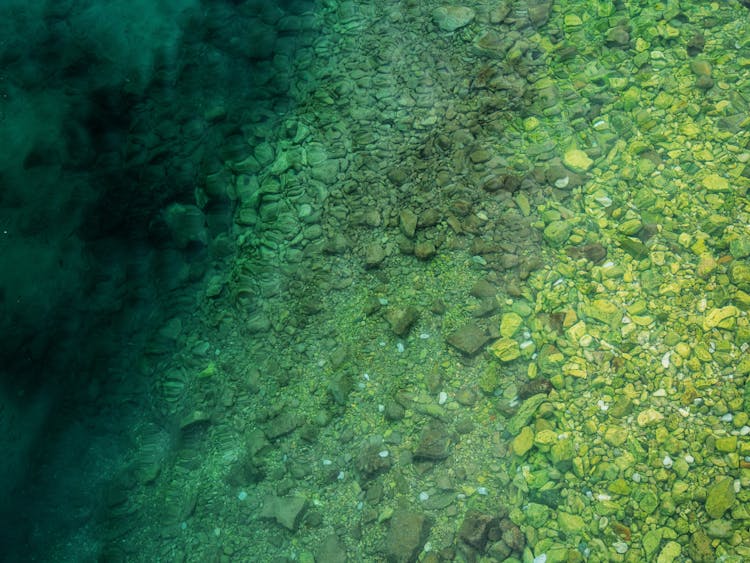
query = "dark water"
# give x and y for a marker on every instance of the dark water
(342, 281)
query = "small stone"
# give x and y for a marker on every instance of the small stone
(451, 18)
(739, 274)
(468, 339)
(701, 67)
(740, 247)
(721, 529)
(537, 515)
(605, 311)
(434, 443)
(577, 160)
(720, 497)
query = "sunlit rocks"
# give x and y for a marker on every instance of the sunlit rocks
(451, 18)
(557, 232)
(577, 160)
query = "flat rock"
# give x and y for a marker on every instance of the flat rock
(287, 511)
(720, 497)
(401, 319)
(468, 339)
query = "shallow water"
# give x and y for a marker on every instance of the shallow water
(324, 281)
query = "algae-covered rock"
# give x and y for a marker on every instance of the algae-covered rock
(523, 442)
(605, 311)
(537, 515)
(720, 497)
(722, 317)
(571, 524)
(451, 18)
(669, 552)
(525, 412)
(715, 183)
(506, 349)
(739, 274)
(509, 324)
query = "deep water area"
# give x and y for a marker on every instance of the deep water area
(343, 281)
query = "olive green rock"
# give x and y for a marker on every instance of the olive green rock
(615, 435)
(510, 324)
(524, 441)
(577, 160)
(571, 524)
(726, 444)
(740, 247)
(537, 514)
(525, 412)
(715, 183)
(720, 497)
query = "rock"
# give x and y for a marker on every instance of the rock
(187, 224)
(649, 417)
(286, 423)
(719, 529)
(669, 552)
(722, 317)
(740, 247)
(739, 274)
(571, 524)
(424, 250)
(509, 324)
(483, 289)
(726, 444)
(451, 18)
(525, 412)
(408, 222)
(287, 511)
(537, 515)
(371, 460)
(475, 528)
(605, 311)
(468, 339)
(577, 160)
(715, 183)
(720, 497)
(434, 443)
(523, 442)
(539, 12)
(406, 535)
(616, 435)
(331, 550)
(506, 349)
(401, 320)
(700, 549)
(374, 255)
(557, 232)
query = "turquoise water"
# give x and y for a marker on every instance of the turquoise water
(334, 281)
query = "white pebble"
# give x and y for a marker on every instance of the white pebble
(341, 476)
(442, 397)
(366, 376)
(602, 405)
(400, 347)
(737, 485)
(242, 495)
(381, 408)
(562, 182)
(424, 336)
(383, 453)
(745, 430)
(667, 461)
(541, 558)
(660, 393)
(665, 360)
(482, 491)
(327, 462)
(382, 301)
(423, 496)
(727, 417)
(689, 458)
(636, 477)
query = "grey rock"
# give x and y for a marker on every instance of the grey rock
(468, 339)
(374, 255)
(407, 533)
(287, 511)
(401, 320)
(408, 222)
(434, 443)
(451, 18)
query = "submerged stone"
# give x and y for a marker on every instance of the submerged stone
(451, 18)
